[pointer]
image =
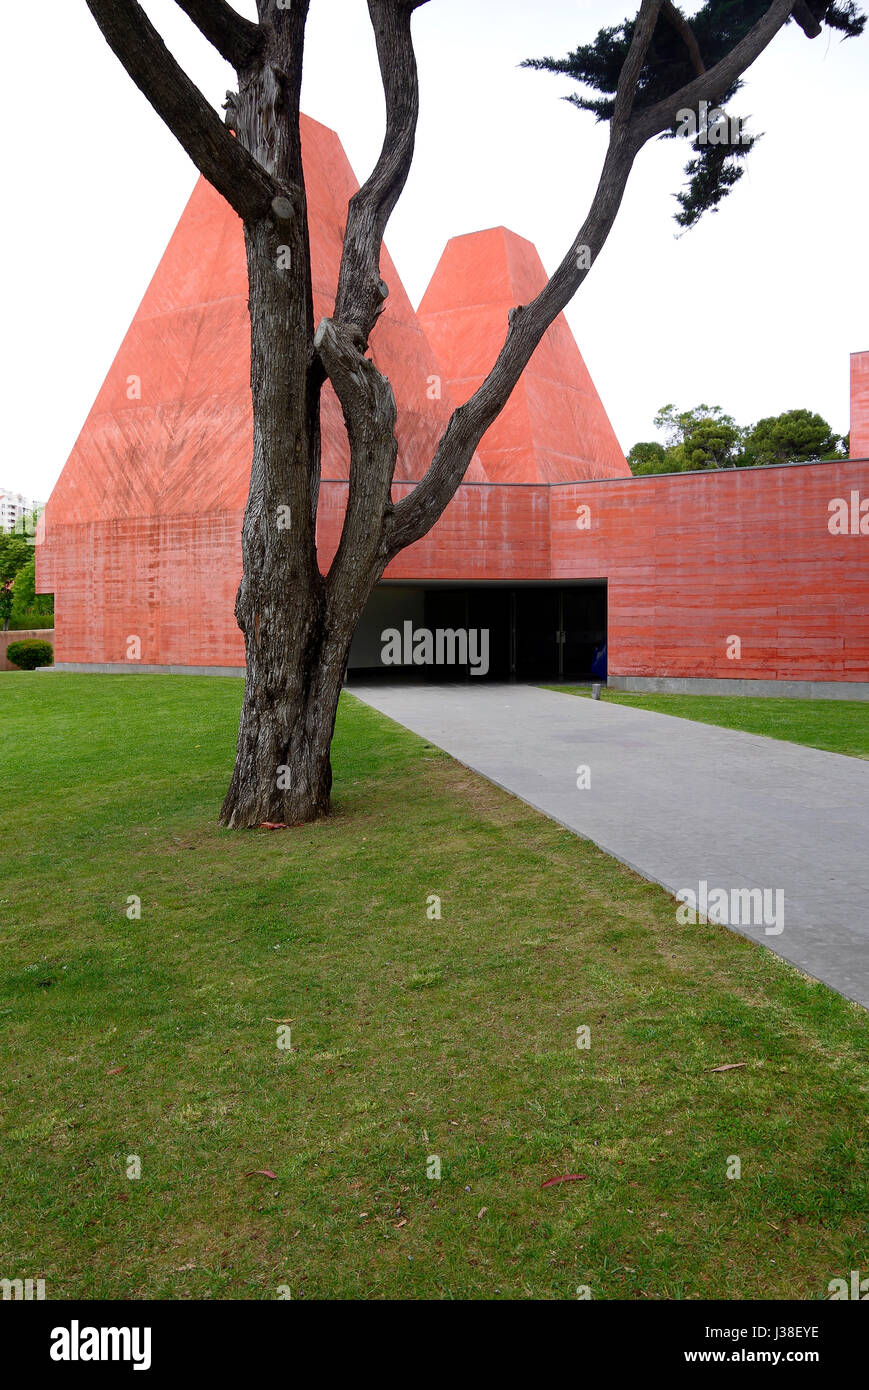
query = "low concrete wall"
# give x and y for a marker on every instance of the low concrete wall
(782, 690)
(44, 634)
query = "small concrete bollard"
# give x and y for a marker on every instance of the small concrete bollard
(595, 691)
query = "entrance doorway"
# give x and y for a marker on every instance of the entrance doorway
(535, 632)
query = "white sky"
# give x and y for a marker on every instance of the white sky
(755, 310)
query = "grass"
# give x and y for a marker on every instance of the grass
(838, 726)
(412, 1038)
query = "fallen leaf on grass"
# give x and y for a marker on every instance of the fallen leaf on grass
(113, 1071)
(481, 1213)
(729, 1066)
(402, 1222)
(568, 1177)
(262, 1173)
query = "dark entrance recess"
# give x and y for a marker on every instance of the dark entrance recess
(536, 632)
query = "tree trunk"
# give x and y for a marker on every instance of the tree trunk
(294, 666)
(297, 625)
(283, 773)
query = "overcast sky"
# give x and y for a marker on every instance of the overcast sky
(755, 310)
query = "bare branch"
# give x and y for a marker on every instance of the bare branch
(683, 28)
(236, 39)
(361, 292)
(195, 124)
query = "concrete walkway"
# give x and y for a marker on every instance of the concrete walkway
(682, 803)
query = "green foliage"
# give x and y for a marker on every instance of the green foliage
(705, 437)
(25, 597)
(796, 436)
(26, 601)
(29, 654)
(717, 27)
(24, 622)
(649, 457)
(15, 551)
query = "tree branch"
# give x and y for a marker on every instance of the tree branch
(684, 30)
(626, 91)
(716, 80)
(236, 39)
(803, 16)
(361, 292)
(368, 405)
(194, 123)
(416, 513)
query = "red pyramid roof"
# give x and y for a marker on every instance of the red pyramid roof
(184, 444)
(554, 427)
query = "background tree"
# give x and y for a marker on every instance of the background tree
(15, 552)
(679, 50)
(796, 436)
(650, 456)
(705, 437)
(297, 622)
(26, 602)
(5, 604)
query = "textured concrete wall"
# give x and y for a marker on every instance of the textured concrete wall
(691, 560)
(694, 559)
(859, 405)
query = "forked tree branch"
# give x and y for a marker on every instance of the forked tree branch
(686, 33)
(361, 292)
(413, 516)
(236, 39)
(713, 83)
(195, 124)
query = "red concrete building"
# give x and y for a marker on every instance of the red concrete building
(697, 581)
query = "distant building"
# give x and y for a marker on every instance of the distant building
(13, 506)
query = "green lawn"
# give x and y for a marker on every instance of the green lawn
(839, 726)
(411, 1038)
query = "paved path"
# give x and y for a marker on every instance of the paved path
(681, 803)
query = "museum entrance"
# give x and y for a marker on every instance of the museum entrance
(496, 632)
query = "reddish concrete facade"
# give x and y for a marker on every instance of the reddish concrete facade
(143, 528)
(859, 405)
